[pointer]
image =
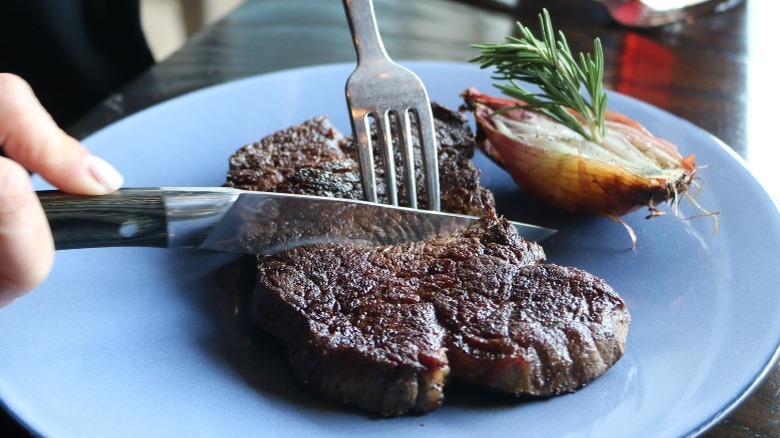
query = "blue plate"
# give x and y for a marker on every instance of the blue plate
(144, 342)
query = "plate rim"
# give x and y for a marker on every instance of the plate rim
(717, 417)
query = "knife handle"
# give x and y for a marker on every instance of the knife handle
(128, 217)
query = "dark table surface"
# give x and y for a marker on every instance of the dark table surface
(712, 70)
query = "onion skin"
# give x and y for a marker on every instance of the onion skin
(575, 182)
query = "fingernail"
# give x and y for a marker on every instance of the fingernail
(105, 174)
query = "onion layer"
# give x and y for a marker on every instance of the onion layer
(629, 170)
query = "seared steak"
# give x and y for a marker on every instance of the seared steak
(382, 328)
(385, 328)
(314, 158)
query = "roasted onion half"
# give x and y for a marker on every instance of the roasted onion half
(629, 170)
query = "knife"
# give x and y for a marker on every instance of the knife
(239, 221)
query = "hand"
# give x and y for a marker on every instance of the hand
(31, 139)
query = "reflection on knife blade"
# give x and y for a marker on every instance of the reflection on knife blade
(232, 220)
(267, 223)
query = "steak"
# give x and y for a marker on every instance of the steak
(314, 158)
(385, 328)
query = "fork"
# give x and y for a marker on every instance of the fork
(389, 94)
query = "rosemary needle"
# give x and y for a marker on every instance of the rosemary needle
(549, 64)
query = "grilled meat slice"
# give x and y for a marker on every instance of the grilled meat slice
(314, 158)
(385, 328)
(382, 328)
(550, 330)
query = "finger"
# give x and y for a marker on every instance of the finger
(30, 137)
(26, 246)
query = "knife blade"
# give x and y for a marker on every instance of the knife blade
(238, 221)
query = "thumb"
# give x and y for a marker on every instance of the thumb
(26, 246)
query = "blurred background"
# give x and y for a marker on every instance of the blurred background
(168, 23)
(75, 53)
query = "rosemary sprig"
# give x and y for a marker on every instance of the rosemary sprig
(550, 64)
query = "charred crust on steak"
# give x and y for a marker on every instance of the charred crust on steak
(314, 158)
(385, 328)
(264, 165)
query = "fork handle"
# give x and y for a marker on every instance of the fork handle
(365, 33)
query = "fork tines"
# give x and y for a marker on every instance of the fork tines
(397, 129)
